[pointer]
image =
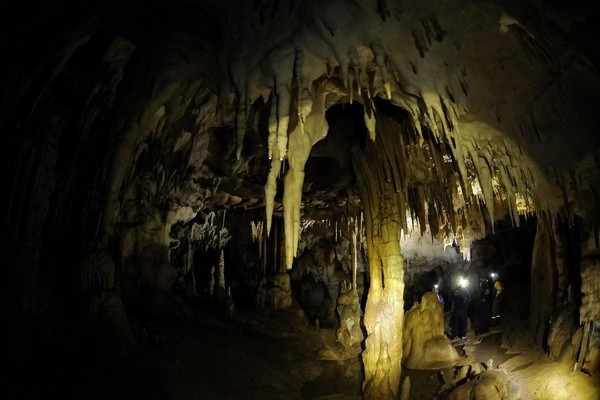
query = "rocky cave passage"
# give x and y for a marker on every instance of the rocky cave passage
(254, 199)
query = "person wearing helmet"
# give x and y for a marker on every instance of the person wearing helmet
(485, 305)
(436, 290)
(460, 307)
(497, 289)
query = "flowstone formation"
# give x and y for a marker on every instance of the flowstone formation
(425, 346)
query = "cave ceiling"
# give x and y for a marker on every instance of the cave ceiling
(209, 104)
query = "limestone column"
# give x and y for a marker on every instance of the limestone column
(384, 311)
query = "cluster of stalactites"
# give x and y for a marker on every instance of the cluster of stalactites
(446, 183)
(360, 75)
(297, 121)
(211, 232)
(299, 99)
(473, 178)
(501, 174)
(451, 175)
(340, 225)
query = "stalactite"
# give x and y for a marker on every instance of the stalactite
(355, 234)
(292, 199)
(272, 140)
(258, 235)
(370, 123)
(283, 107)
(264, 254)
(271, 189)
(300, 145)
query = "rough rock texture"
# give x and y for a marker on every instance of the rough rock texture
(349, 331)
(590, 287)
(489, 385)
(591, 363)
(562, 328)
(279, 292)
(324, 264)
(425, 346)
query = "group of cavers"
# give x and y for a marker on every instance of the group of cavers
(488, 307)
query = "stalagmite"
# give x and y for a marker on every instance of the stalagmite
(240, 123)
(221, 276)
(229, 303)
(211, 284)
(189, 265)
(336, 232)
(349, 332)
(425, 346)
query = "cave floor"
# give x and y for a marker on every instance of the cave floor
(261, 354)
(257, 354)
(277, 355)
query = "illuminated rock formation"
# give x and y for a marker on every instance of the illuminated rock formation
(424, 344)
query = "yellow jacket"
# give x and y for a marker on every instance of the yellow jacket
(498, 288)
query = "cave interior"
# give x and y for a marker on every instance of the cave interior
(260, 199)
